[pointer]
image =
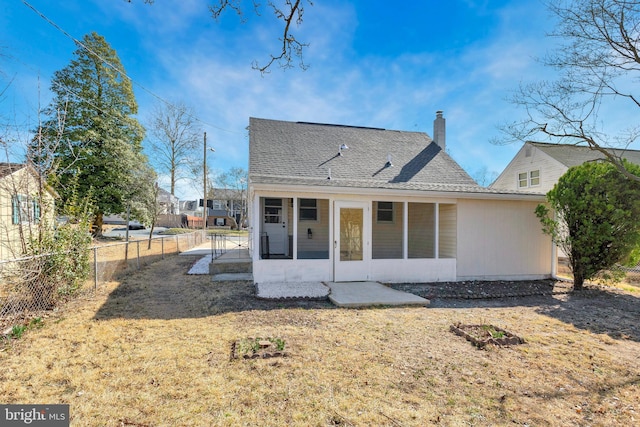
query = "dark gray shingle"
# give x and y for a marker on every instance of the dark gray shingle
(295, 153)
(574, 155)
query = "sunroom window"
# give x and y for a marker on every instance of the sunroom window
(308, 210)
(385, 212)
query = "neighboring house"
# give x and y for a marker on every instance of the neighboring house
(229, 206)
(224, 207)
(189, 207)
(22, 208)
(168, 203)
(538, 166)
(344, 203)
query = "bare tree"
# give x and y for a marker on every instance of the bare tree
(484, 177)
(597, 61)
(174, 136)
(234, 182)
(290, 12)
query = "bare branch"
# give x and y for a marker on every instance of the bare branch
(290, 12)
(597, 63)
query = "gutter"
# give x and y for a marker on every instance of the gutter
(359, 191)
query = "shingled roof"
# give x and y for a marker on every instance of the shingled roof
(299, 153)
(9, 168)
(575, 155)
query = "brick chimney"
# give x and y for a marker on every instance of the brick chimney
(439, 130)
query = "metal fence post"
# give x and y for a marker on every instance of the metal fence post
(138, 253)
(162, 244)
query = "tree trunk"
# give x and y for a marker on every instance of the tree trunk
(578, 280)
(153, 225)
(96, 227)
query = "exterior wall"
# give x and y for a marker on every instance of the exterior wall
(289, 270)
(387, 237)
(550, 171)
(501, 240)
(413, 270)
(23, 183)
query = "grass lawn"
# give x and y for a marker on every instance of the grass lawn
(154, 350)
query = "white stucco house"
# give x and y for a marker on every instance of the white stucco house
(538, 166)
(346, 203)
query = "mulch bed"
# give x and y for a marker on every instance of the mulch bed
(485, 289)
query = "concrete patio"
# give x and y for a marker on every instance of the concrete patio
(363, 294)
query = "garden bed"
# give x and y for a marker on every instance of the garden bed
(481, 335)
(257, 348)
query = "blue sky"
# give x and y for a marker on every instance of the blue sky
(372, 63)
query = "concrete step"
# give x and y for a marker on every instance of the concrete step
(220, 266)
(233, 277)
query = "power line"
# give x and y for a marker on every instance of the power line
(121, 72)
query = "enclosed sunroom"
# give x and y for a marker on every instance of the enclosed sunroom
(340, 203)
(331, 239)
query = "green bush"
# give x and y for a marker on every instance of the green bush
(59, 263)
(597, 219)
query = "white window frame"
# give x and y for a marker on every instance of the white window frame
(526, 179)
(392, 210)
(25, 209)
(308, 208)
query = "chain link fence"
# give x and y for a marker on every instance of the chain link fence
(25, 292)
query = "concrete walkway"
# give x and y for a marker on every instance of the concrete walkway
(199, 250)
(205, 249)
(362, 294)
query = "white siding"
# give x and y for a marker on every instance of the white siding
(501, 240)
(448, 237)
(550, 171)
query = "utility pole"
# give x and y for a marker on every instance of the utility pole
(204, 173)
(204, 200)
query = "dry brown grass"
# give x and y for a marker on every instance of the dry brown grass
(153, 350)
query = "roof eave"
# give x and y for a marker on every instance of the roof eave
(318, 189)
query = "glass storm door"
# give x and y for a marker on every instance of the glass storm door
(351, 242)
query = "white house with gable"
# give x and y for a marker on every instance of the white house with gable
(538, 166)
(347, 203)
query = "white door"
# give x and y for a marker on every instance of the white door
(352, 249)
(274, 220)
